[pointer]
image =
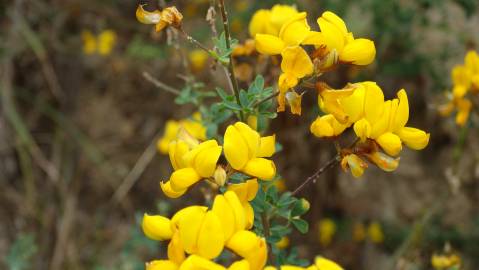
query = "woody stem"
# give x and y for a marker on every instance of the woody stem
(232, 76)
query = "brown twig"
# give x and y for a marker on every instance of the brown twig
(159, 84)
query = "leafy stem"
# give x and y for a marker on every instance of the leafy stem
(232, 76)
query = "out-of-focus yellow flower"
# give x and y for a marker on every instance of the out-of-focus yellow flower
(193, 127)
(280, 185)
(252, 121)
(327, 126)
(245, 49)
(466, 80)
(103, 44)
(89, 42)
(335, 36)
(191, 164)
(282, 243)
(198, 59)
(444, 262)
(359, 232)
(355, 164)
(326, 231)
(375, 233)
(161, 19)
(246, 151)
(271, 21)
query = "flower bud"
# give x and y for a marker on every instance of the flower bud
(156, 227)
(220, 176)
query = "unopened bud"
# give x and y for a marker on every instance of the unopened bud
(220, 176)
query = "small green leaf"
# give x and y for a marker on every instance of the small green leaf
(301, 225)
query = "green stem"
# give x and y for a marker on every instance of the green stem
(232, 76)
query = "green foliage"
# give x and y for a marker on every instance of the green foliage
(192, 93)
(223, 53)
(21, 252)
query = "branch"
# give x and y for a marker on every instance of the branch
(159, 84)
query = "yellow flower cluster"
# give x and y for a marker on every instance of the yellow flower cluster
(444, 262)
(193, 127)
(245, 150)
(197, 230)
(466, 81)
(102, 44)
(378, 123)
(284, 31)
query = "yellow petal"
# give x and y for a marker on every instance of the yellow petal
(238, 211)
(235, 148)
(360, 52)
(175, 220)
(176, 252)
(176, 151)
(224, 212)
(161, 265)
(261, 168)
(296, 62)
(189, 226)
(267, 146)
(362, 128)
(183, 179)
(106, 41)
(249, 214)
(459, 91)
(244, 243)
(89, 42)
(373, 102)
(250, 136)
(294, 102)
(390, 143)
(355, 164)
(333, 36)
(195, 262)
(321, 127)
(323, 263)
(464, 107)
(382, 124)
(402, 112)
(281, 14)
(205, 161)
(375, 233)
(258, 22)
(286, 81)
(210, 237)
(461, 76)
(471, 61)
(240, 265)
(156, 227)
(383, 161)
(414, 138)
(336, 21)
(252, 121)
(169, 192)
(314, 38)
(295, 30)
(147, 17)
(353, 105)
(268, 44)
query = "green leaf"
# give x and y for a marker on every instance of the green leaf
(301, 225)
(221, 93)
(243, 97)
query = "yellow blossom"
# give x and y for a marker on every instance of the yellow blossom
(270, 21)
(89, 42)
(335, 36)
(191, 164)
(161, 19)
(246, 151)
(103, 44)
(282, 243)
(355, 164)
(326, 231)
(444, 262)
(327, 126)
(193, 127)
(375, 233)
(198, 59)
(294, 101)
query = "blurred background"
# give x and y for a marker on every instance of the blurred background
(79, 126)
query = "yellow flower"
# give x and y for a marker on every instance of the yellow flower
(330, 101)
(282, 243)
(191, 164)
(271, 21)
(322, 263)
(103, 44)
(335, 36)
(355, 164)
(193, 127)
(161, 265)
(359, 232)
(251, 247)
(245, 49)
(246, 192)
(156, 227)
(246, 151)
(161, 19)
(198, 59)
(443, 262)
(375, 233)
(327, 126)
(326, 231)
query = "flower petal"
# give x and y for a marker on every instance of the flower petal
(261, 168)
(268, 44)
